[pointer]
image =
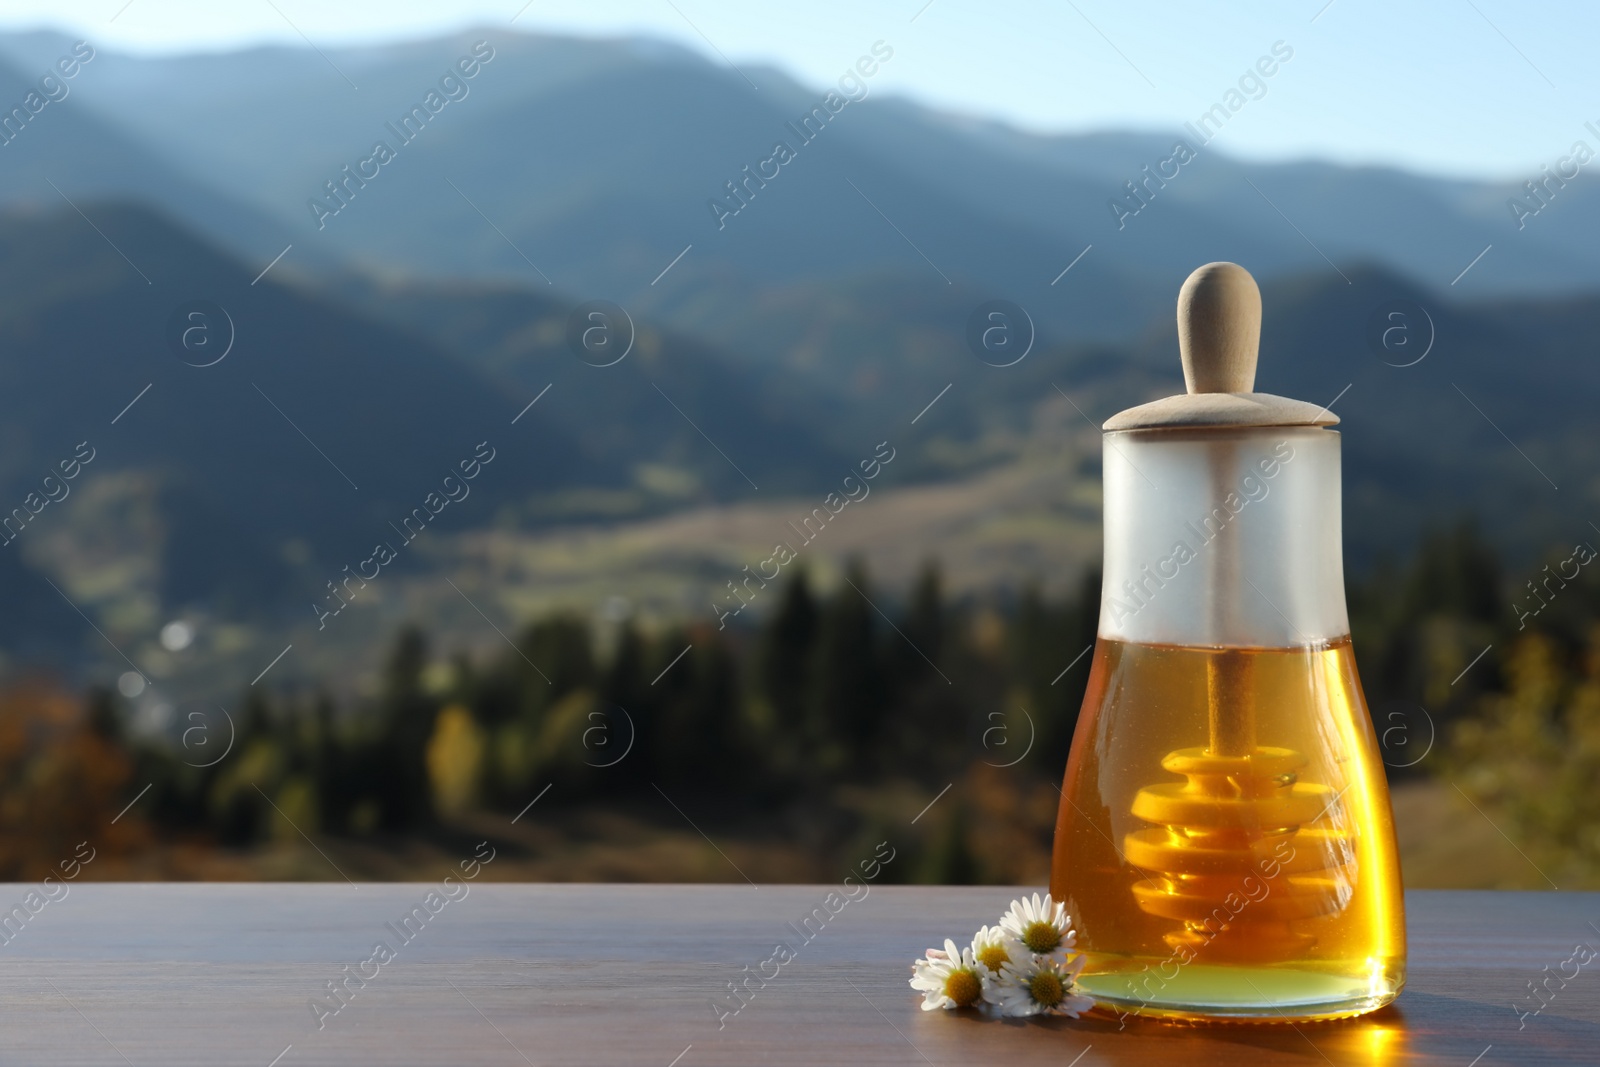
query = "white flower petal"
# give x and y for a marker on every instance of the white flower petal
(931, 975)
(1013, 993)
(991, 937)
(1030, 910)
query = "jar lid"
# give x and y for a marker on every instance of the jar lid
(1219, 337)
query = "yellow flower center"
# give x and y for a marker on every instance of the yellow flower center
(963, 987)
(994, 956)
(1046, 988)
(1041, 937)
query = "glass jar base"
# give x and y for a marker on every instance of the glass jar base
(1202, 993)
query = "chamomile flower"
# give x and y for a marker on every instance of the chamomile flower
(948, 978)
(993, 948)
(1038, 985)
(1042, 927)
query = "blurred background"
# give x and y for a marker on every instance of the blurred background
(664, 440)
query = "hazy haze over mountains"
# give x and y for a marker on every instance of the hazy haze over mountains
(597, 159)
(775, 351)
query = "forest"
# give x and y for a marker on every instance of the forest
(843, 717)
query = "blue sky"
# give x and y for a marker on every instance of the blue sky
(1465, 87)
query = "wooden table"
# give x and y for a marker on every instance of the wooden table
(565, 974)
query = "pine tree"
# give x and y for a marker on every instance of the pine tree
(702, 742)
(923, 626)
(926, 716)
(406, 716)
(1050, 638)
(786, 655)
(554, 656)
(848, 702)
(626, 686)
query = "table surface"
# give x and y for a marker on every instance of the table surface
(626, 974)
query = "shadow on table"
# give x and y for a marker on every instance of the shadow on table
(1424, 1028)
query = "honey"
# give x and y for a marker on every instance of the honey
(1260, 882)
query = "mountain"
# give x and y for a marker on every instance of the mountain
(1421, 440)
(690, 423)
(67, 154)
(999, 478)
(228, 477)
(228, 492)
(320, 427)
(441, 307)
(859, 372)
(315, 429)
(588, 165)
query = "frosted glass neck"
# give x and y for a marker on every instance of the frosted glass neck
(1223, 538)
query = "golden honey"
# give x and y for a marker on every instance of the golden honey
(1224, 843)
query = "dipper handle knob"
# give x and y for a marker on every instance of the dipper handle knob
(1219, 329)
